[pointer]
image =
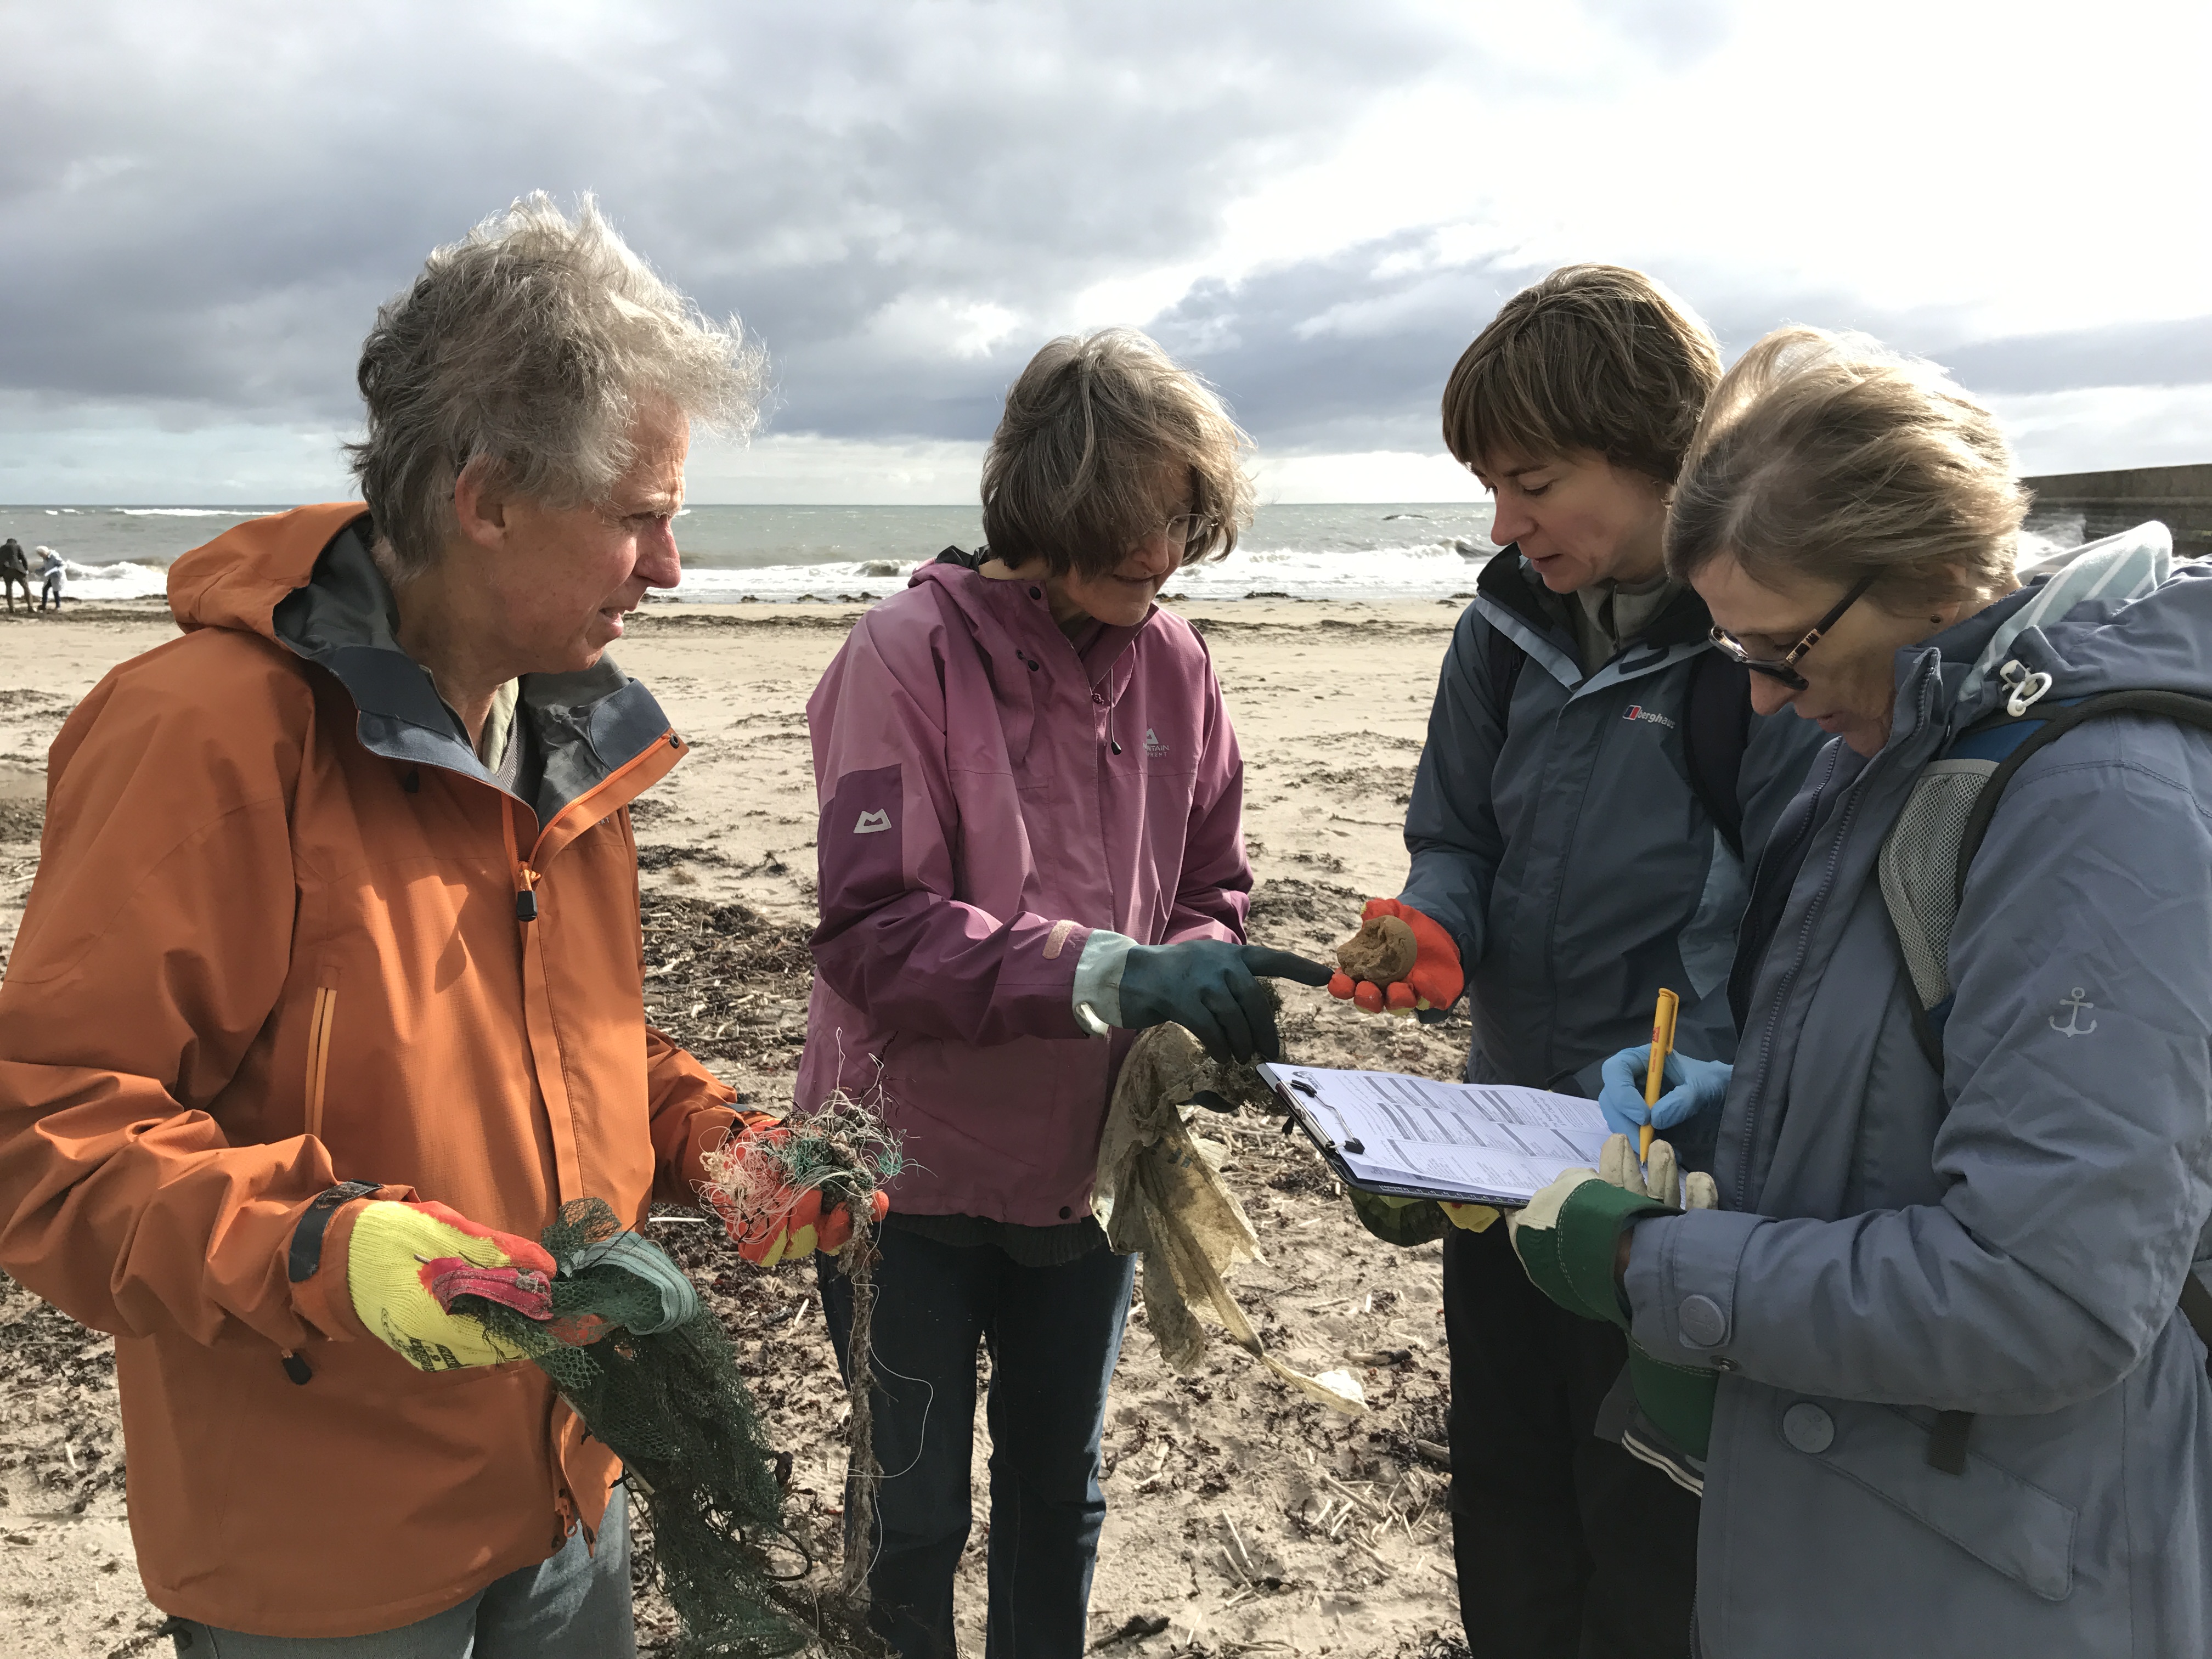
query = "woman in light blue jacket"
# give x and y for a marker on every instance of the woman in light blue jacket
(1932, 1347)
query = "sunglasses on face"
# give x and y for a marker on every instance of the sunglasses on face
(1784, 667)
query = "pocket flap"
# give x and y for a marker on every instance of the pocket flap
(2017, 1529)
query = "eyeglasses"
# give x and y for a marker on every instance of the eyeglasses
(1784, 667)
(1187, 530)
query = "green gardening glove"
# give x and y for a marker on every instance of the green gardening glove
(1568, 1239)
(1406, 1221)
(1569, 1235)
(1662, 1178)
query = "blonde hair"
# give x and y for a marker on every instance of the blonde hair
(1827, 455)
(1076, 472)
(526, 350)
(1596, 358)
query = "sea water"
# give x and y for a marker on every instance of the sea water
(1374, 551)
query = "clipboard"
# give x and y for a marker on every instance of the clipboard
(1402, 1136)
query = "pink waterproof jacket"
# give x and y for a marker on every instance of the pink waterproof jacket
(989, 795)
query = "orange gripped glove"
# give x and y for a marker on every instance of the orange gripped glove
(774, 1223)
(1436, 980)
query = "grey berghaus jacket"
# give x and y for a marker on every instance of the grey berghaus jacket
(2008, 1237)
(1564, 850)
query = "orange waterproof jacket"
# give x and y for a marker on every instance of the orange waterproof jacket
(277, 941)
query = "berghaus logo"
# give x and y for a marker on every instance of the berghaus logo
(1636, 711)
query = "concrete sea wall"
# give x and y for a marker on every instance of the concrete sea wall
(2072, 507)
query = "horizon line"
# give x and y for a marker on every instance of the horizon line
(283, 506)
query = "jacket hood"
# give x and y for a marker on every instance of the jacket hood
(237, 580)
(304, 580)
(2117, 615)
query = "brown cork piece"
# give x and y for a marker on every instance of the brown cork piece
(1382, 952)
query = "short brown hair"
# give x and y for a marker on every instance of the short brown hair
(1828, 455)
(1596, 358)
(1074, 471)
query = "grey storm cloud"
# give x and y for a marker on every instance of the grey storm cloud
(204, 204)
(201, 206)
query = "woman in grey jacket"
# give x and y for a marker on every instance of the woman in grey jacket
(1965, 1162)
(1593, 777)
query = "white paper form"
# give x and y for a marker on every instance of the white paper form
(1412, 1136)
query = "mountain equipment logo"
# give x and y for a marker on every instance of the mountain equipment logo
(1152, 744)
(1636, 711)
(872, 823)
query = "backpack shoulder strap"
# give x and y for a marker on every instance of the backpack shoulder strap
(1716, 731)
(2167, 705)
(2009, 741)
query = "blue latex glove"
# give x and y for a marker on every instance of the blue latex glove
(1692, 1086)
(1208, 988)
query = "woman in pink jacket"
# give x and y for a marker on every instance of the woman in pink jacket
(1030, 844)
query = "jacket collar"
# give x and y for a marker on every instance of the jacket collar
(1509, 580)
(1013, 618)
(585, 730)
(1516, 602)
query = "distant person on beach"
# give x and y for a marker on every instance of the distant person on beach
(52, 570)
(1030, 844)
(1595, 788)
(331, 971)
(14, 572)
(1949, 1317)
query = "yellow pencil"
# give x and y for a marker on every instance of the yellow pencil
(1663, 1044)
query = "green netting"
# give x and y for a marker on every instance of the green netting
(841, 1149)
(673, 1407)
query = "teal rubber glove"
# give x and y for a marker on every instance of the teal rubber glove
(1692, 1086)
(1212, 989)
(643, 1259)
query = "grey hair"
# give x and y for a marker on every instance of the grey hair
(1827, 455)
(527, 349)
(1094, 430)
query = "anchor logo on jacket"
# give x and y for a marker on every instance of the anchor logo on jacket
(2073, 1027)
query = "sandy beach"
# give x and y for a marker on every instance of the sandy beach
(1242, 1520)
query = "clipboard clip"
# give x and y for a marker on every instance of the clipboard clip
(1291, 1118)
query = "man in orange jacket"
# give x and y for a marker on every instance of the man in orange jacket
(332, 976)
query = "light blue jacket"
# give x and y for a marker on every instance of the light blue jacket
(2008, 1237)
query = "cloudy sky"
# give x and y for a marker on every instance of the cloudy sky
(1315, 202)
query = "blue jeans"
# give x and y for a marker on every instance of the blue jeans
(573, 1605)
(1055, 1334)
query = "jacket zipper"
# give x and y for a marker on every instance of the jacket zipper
(538, 1021)
(1813, 912)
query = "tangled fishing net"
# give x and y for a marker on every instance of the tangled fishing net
(673, 1407)
(843, 1150)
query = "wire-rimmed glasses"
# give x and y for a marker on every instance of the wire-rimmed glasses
(1784, 667)
(1190, 530)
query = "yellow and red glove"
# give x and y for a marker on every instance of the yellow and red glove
(1435, 981)
(780, 1223)
(406, 1261)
